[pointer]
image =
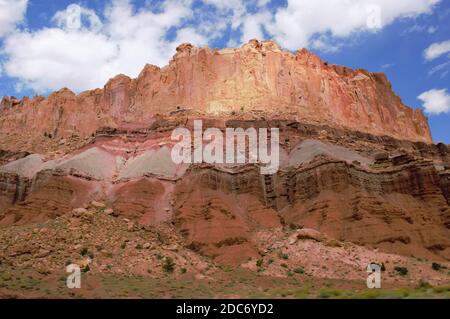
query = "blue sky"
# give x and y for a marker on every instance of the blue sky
(46, 44)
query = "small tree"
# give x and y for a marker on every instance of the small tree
(168, 265)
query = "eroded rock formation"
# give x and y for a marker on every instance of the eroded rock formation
(352, 186)
(254, 81)
(347, 173)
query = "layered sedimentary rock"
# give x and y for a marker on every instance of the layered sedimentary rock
(351, 186)
(356, 165)
(254, 81)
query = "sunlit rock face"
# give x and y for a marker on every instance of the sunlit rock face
(356, 165)
(258, 79)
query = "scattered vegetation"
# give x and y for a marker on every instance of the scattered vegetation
(85, 252)
(259, 263)
(168, 265)
(424, 285)
(299, 270)
(329, 293)
(437, 267)
(402, 271)
(284, 256)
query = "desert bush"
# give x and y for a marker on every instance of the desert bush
(402, 271)
(299, 270)
(168, 265)
(284, 256)
(436, 266)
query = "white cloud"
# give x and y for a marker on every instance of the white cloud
(237, 9)
(416, 28)
(295, 25)
(387, 66)
(12, 12)
(436, 50)
(53, 58)
(435, 101)
(324, 43)
(81, 52)
(432, 29)
(72, 18)
(443, 67)
(252, 27)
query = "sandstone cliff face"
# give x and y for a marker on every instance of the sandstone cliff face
(258, 80)
(356, 165)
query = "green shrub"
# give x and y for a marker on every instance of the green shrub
(299, 270)
(168, 265)
(436, 266)
(402, 271)
(284, 256)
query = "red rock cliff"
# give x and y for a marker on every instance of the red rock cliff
(257, 78)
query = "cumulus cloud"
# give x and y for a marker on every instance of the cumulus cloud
(53, 58)
(82, 52)
(12, 12)
(82, 48)
(295, 25)
(72, 18)
(252, 27)
(436, 50)
(435, 101)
